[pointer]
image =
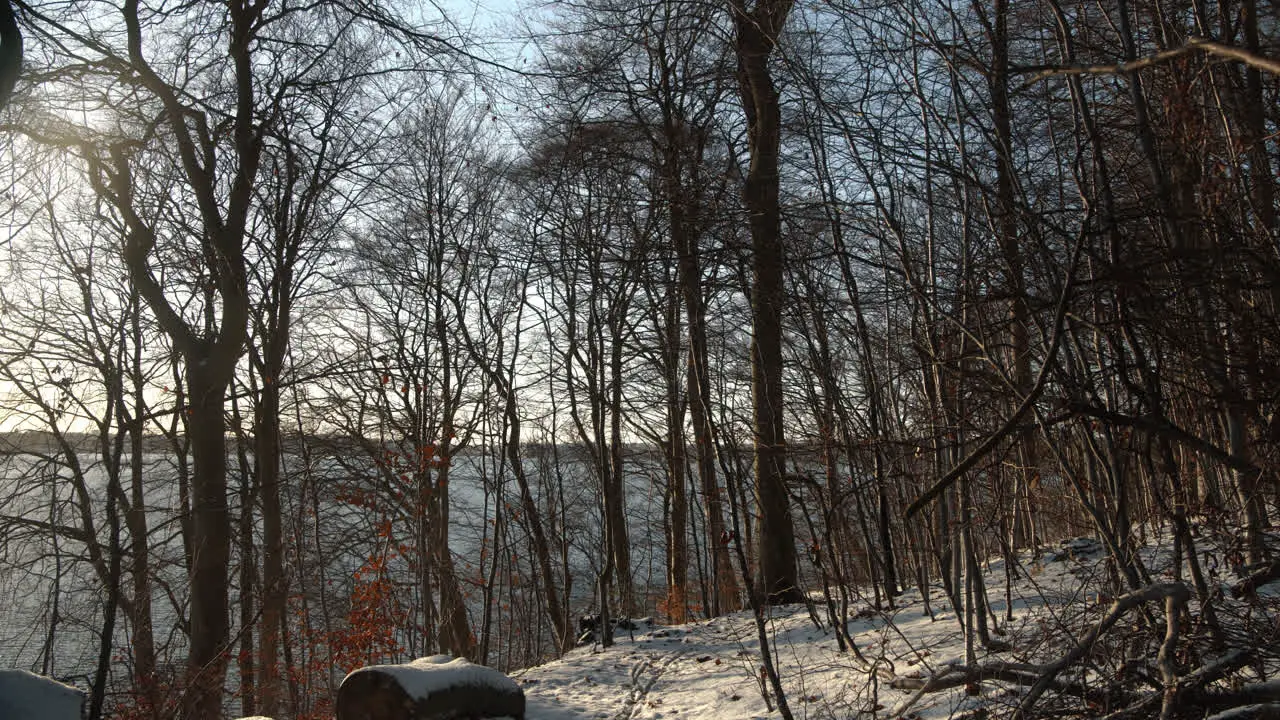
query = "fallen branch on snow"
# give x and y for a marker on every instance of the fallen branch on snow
(959, 675)
(1250, 584)
(1045, 677)
(1188, 684)
(1123, 604)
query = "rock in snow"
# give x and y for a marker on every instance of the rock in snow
(27, 696)
(431, 688)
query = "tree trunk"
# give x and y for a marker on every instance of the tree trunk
(615, 501)
(274, 584)
(10, 51)
(677, 501)
(142, 637)
(455, 628)
(268, 462)
(1005, 225)
(245, 659)
(112, 600)
(541, 548)
(757, 33)
(208, 574)
(724, 586)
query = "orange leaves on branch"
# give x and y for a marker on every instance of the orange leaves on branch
(357, 497)
(675, 605)
(148, 697)
(384, 532)
(375, 612)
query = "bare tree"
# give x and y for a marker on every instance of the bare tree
(757, 29)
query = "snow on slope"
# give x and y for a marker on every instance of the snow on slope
(710, 669)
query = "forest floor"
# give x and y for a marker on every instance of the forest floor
(711, 669)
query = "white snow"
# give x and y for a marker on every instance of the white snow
(709, 670)
(424, 676)
(26, 696)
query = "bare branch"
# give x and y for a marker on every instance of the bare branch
(1229, 52)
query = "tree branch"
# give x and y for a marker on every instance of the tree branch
(1042, 378)
(1176, 591)
(1193, 44)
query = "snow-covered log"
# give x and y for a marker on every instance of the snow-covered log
(34, 697)
(431, 688)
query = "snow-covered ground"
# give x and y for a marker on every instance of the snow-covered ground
(711, 669)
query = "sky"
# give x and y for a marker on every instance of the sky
(493, 22)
